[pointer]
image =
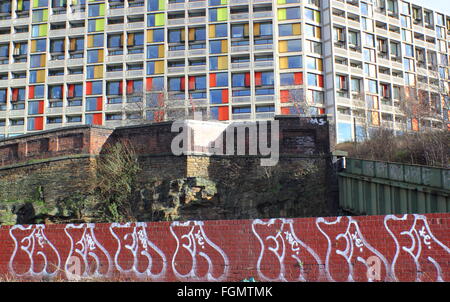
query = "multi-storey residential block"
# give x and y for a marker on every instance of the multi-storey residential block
(112, 62)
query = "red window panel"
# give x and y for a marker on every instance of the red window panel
(258, 80)
(320, 77)
(182, 83)
(298, 78)
(247, 79)
(15, 94)
(321, 110)
(89, 88)
(158, 116)
(31, 92)
(71, 92)
(99, 106)
(191, 83)
(130, 87)
(415, 124)
(284, 96)
(149, 83)
(97, 119)
(38, 123)
(223, 113)
(212, 80)
(121, 87)
(224, 96)
(285, 110)
(41, 107)
(161, 100)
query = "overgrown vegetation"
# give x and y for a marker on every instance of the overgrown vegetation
(116, 180)
(429, 148)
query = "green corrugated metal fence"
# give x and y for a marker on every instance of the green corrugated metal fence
(375, 188)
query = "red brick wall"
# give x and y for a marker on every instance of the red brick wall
(388, 248)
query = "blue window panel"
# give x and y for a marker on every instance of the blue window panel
(267, 78)
(98, 40)
(286, 79)
(244, 92)
(293, 13)
(55, 92)
(153, 5)
(41, 45)
(242, 110)
(265, 109)
(94, 10)
(90, 72)
(312, 79)
(174, 84)
(33, 107)
(91, 104)
(264, 91)
(158, 35)
(295, 62)
(78, 90)
(92, 56)
(213, 63)
(285, 29)
(265, 29)
(237, 31)
(212, 15)
(200, 82)
(152, 51)
(215, 46)
(221, 30)
(215, 96)
(35, 61)
(39, 91)
(138, 39)
(158, 83)
(113, 88)
(97, 87)
(214, 113)
(150, 67)
(238, 80)
(221, 79)
(200, 34)
(294, 45)
(344, 132)
(175, 36)
(33, 76)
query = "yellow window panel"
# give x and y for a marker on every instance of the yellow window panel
(223, 62)
(256, 29)
(283, 62)
(159, 67)
(296, 29)
(224, 46)
(282, 46)
(161, 51)
(212, 31)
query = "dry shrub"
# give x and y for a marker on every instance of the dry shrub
(429, 148)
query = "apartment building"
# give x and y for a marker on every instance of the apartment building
(122, 61)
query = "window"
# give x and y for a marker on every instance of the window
(176, 84)
(312, 15)
(218, 46)
(95, 40)
(289, 13)
(312, 31)
(315, 80)
(115, 44)
(240, 79)
(341, 82)
(218, 96)
(95, 56)
(95, 87)
(314, 47)
(369, 40)
(292, 29)
(218, 30)
(55, 92)
(94, 104)
(96, 10)
(290, 45)
(293, 78)
(314, 63)
(291, 62)
(54, 120)
(74, 119)
(218, 79)
(114, 88)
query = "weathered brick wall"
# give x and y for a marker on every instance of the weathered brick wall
(239, 187)
(375, 248)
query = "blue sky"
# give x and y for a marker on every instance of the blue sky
(439, 5)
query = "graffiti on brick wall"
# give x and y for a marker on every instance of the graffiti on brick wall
(371, 248)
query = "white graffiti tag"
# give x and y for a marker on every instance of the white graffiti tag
(194, 235)
(37, 248)
(349, 232)
(143, 251)
(95, 259)
(281, 233)
(424, 245)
